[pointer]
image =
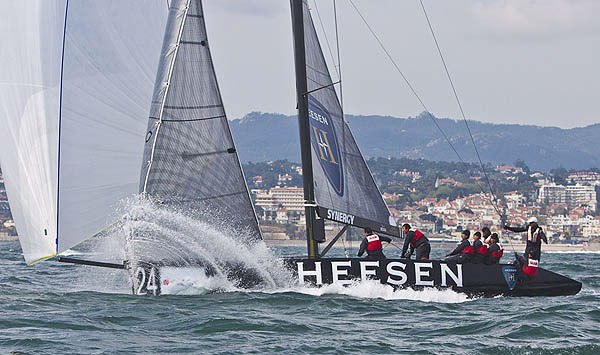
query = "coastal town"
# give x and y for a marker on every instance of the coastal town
(566, 204)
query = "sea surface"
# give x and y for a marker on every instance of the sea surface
(60, 308)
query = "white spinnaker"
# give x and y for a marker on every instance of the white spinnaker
(111, 53)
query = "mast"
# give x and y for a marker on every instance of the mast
(303, 125)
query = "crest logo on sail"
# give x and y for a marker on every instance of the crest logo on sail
(325, 144)
(510, 276)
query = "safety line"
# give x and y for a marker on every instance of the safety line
(417, 96)
(326, 39)
(462, 112)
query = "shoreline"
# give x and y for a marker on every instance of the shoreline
(570, 248)
(449, 245)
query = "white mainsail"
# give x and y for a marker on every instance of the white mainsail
(75, 84)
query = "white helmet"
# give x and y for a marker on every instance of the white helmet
(532, 220)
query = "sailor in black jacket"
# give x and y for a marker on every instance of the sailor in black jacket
(479, 251)
(416, 241)
(535, 235)
(494, 251)
(462, 253)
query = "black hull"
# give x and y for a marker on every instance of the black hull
(472, 279)
(476, 280)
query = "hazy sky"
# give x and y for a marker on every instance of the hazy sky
(513, 61)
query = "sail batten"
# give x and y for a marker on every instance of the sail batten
(192, 161)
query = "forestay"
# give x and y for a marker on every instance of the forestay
(190, 159)
(341, 177)
(75, 85)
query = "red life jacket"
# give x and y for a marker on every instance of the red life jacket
(374, 242)
(468, 250)
(416, 237)
(497, 254)
(531, 268)
(482, 250)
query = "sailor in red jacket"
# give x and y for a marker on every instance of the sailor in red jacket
(528, 266)
(463, 252)
(417, 241)
(372, 245)
(494, 250)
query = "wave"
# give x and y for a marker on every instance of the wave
(572, 252)
(376, 290)
(193, 281)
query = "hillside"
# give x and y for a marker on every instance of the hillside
(266, 136)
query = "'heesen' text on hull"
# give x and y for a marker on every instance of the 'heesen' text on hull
(471, 279)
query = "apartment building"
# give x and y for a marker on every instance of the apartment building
(572, 195)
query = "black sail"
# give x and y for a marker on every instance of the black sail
(190, 158)
(342, 180)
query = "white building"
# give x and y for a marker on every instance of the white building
(291, 198)
(572, 195)
(514, 200)
(584, 177)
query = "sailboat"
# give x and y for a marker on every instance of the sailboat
(106, 100)
(339, 187)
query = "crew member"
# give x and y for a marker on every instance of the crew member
(486, 235)
(463, 252)
(417, 241)
(494, 250)
(372, 245)
(529, 266)
(479, 249)
(535, 235)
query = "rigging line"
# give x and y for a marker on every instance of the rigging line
(326, 39)
(337, 43)
(164, 98)
(462, 112)
(344, 124)
(412, 89)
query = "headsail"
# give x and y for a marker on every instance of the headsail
(189, 157)
(84, 69)
(342, 180)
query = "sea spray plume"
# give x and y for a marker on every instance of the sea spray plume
(181, 237)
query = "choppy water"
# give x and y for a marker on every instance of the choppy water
(54, 307)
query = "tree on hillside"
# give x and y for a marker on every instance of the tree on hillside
(559, 175)
(428, 217)
(519, 163)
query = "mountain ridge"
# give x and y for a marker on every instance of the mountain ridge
(271, 136)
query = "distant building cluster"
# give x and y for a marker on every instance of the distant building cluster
(572, 195)
(584, 177)
(567, 212)
(280, 204)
